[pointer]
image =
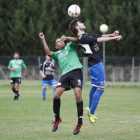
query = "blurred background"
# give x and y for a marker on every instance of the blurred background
(22, 20)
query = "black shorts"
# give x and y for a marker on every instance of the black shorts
(71, 79)
(15, 80)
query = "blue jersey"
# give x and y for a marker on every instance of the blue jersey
(88, 43)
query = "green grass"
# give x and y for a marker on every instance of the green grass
(30, 118)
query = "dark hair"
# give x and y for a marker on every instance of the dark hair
(16, 52)
(72, 26)
(55, 41)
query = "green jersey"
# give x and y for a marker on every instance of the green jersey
(16, 64)
(67, 58)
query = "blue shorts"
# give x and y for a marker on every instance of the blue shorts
(46, 83)
(97, 75)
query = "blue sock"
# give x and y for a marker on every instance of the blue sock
(44, 93)
(54, 91)
(95, 100)
(91, 93)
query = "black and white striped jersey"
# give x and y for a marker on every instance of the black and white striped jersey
(88, 43)
(44, 67)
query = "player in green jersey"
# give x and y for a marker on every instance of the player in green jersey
(72, 76)
(15, 65)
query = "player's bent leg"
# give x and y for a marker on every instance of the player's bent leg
(95, 101)
(13, 87)
(91, 93)
(79, 103)
(44, 93)
(78, 94)
(56, 107)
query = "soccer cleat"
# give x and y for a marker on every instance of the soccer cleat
(88, 112)
(95, 117)
(55, 126)
(77, 129)
(18, 96)
(91, 118)
(15, 98)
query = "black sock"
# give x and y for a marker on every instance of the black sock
(56, 108)
(80, 112)
(13, 90)
(16, 93)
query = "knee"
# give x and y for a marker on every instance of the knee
(54, 87)
(99, 88)
(44, 88)
(17, 88)
(78, 98)
(57, 96)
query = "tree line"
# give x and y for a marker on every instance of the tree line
(22, 20)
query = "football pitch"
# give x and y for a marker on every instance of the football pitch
(30, 118)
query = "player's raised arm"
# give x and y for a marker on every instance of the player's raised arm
(104, 39)
(111, 35)
(47, 50)
(74, 39)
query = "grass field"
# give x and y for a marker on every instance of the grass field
(30, 118)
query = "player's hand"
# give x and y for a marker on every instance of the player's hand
(25, 74)
(50, 69)
(43, 76)
(116, 33)
(41, 35)
(119, 37)
(63, 38)
(13, 69)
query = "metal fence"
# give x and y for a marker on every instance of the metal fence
(116, 68)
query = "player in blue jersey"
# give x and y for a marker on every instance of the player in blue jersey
(88, 43)
(46, 70)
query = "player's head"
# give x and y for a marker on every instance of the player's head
(16, 55)
(75, 26)
(59, 44)
(48, 58)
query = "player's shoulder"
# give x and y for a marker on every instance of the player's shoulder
(57, 52)
(51, 62)
(12, 60)
(43, 62)
(83, 35)
(71, 43)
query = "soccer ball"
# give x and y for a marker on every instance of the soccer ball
(74, 10)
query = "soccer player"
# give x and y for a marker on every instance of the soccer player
(72, 76)
(46, 71)
(15, 65)
(88, 43)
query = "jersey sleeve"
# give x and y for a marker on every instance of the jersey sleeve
(41, 67)
(86, 39)
(10, 65)
(55, 56)
(72, 44)
(23, 64)
(96, 35)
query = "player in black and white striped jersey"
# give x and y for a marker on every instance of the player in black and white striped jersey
(88, 43)
(46, 70)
